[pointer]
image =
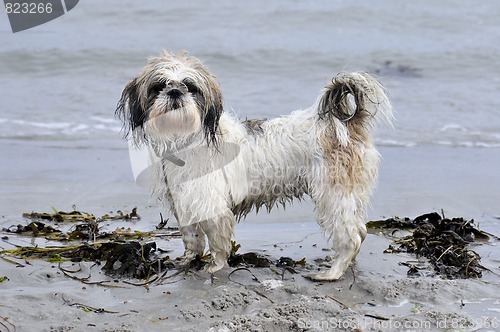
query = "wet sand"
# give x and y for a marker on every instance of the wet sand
(375, 295)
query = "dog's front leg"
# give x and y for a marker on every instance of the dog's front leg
(194, 243)
(219, 231)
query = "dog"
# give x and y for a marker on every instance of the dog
(212, 169)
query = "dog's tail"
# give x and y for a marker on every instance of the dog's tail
(355, 99)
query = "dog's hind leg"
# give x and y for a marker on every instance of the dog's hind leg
(219, 231)
(342, 222)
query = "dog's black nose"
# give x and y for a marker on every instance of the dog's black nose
(174, 93)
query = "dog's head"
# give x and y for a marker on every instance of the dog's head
(172, 99)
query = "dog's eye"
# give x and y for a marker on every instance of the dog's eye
(156, 88)
(191, 87)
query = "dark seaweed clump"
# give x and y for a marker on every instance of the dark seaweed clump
(134, 260)
(444, 242)
(127, 259)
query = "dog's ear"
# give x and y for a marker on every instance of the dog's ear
(131, 111)
(213, 112)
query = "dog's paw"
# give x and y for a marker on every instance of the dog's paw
(213, 267)
(186, 260)
(324, 276)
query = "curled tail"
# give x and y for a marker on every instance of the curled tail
(355, 98)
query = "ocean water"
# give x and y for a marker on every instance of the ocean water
(438, 60)
(60, 82)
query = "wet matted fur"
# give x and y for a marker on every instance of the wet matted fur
(213, 169)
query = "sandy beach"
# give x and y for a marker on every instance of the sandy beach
(376, 295)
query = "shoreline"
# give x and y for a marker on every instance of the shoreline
(412, 181)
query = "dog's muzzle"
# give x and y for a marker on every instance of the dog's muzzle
(175, 93)
(176, 90)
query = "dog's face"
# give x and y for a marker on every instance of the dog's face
(174, 97)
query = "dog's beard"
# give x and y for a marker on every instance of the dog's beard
(171, 120)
